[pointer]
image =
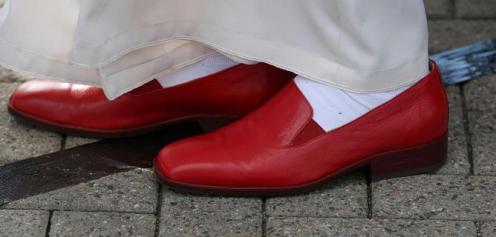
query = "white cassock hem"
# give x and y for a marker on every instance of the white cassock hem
(347, 58)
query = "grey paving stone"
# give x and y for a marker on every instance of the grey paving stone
(488, 229)
(345, 197)
(5, 90)
(458, 161)
(23, 223)
(71, 141)
(481, 103)
(448, 34)
(188, 215)
(7, 75)
(132, 191)
(445, 197)
(101, 224)
(476, 8)
(365, 227)
(18, 141)
(439, 8)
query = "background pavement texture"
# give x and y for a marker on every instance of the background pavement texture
(458, 200)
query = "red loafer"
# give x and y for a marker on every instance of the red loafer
(278, 149)
(85, 111)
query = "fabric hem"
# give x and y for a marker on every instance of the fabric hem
(226, 41)
(314, 67)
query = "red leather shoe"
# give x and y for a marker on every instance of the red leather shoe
(85, 111)
(279, 149)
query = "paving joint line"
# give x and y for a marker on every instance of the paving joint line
(81, 211)
(481, 18)
(455, 20)
(370, 211)
(453, 8)
(63, 143)
(441, 18)
(382, 218)
(466, 127)
(158, 210)
(49, 224)
(264, 217)
(478, 228)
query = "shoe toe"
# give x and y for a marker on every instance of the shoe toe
(196, 161)
(177, 162)
(36, 98)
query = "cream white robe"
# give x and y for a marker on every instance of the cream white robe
(359, 45)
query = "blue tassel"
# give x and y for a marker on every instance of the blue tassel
(467, 63)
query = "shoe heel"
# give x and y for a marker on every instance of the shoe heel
(214, 123)
(421, 159)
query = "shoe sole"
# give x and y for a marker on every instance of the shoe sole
(420, 159)
(206, 123)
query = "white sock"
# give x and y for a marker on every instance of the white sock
(203, 68)
(334, 107)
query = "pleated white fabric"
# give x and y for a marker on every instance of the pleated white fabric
(357, 45)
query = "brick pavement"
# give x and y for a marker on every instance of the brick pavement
(458, 200)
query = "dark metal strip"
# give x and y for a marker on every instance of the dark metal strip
(84, 163)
